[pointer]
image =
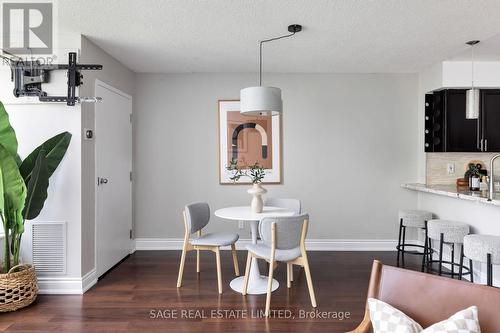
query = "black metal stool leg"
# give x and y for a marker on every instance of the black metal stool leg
(460, 268)
(489, 268)
(441, 242)
(431, 251)
(452, 260)
(425, 247)
(399, 240)
(403, 247)
(471, 270)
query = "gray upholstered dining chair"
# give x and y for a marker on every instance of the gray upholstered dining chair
(283, 240)
(291, 204)
(196, 217)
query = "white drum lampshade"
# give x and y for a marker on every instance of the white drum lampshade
(261, 101)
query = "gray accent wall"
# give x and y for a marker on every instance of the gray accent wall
(120, 77)
(349, 141)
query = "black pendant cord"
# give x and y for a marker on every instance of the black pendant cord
(293, 29)
(260, 53)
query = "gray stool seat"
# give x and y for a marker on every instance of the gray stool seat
(477, 248)
(414, 218)
(453, 231)
(215, 239)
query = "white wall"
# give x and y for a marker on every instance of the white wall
(458, 74)
(71, 192)
(349, 141)
(36, 122)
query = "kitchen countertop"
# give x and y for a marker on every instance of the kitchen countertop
(453, 192)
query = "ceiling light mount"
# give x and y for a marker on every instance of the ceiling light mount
(472, 42)
(294, 28)
(264, 101)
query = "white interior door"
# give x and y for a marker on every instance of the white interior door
(113, 135)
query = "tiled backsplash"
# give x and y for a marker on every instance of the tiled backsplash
(437, 163)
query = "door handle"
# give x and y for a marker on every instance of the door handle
(101, 181)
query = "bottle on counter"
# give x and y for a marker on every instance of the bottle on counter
(474, 182)
(474, 176)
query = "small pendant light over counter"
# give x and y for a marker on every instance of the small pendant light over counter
(264, 101)
(472, 95)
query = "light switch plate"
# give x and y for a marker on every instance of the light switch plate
(450, 168)
(241, 225)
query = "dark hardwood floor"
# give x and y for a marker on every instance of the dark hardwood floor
(138, 294)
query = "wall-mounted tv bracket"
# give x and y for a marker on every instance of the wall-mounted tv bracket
(28, 77)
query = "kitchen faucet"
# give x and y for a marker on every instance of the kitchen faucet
(491, 192)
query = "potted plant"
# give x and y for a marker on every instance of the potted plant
(256, 174)
(23, 191)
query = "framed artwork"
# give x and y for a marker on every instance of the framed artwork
(249, 140)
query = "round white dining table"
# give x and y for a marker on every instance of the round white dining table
(257, 284)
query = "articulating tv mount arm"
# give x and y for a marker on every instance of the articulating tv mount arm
(28, 77)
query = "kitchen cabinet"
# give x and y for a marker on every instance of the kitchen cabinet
(446, 127)
(448, 130)
(461, 133)
(490, 120)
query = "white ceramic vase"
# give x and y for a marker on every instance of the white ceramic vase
(257, 191)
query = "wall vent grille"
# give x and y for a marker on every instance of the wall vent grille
(49, 247)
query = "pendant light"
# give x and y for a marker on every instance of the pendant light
(472, 95)
(264, 101)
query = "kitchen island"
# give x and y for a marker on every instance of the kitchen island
(451, 203)
(453, 191)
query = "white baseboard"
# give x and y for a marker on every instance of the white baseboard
(65, 285)
(311, 244)
(60, 285)
(89, 280)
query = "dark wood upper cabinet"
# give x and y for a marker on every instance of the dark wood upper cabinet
(490, 119)
(448, 130)
(461, 133)
(446, 127)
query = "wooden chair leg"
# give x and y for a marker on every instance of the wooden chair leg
(197, 261)
(235, 260)
(288, 275)
(198, 255)
(181, 267)
(247, 273)
(309, 280)
(219, 273)
(269, 289)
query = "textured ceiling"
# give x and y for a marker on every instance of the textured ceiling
(339, 36)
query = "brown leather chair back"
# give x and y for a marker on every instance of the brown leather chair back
(429, 299)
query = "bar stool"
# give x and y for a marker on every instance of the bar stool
(412, 219)
(484, 249)
(449, 233)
